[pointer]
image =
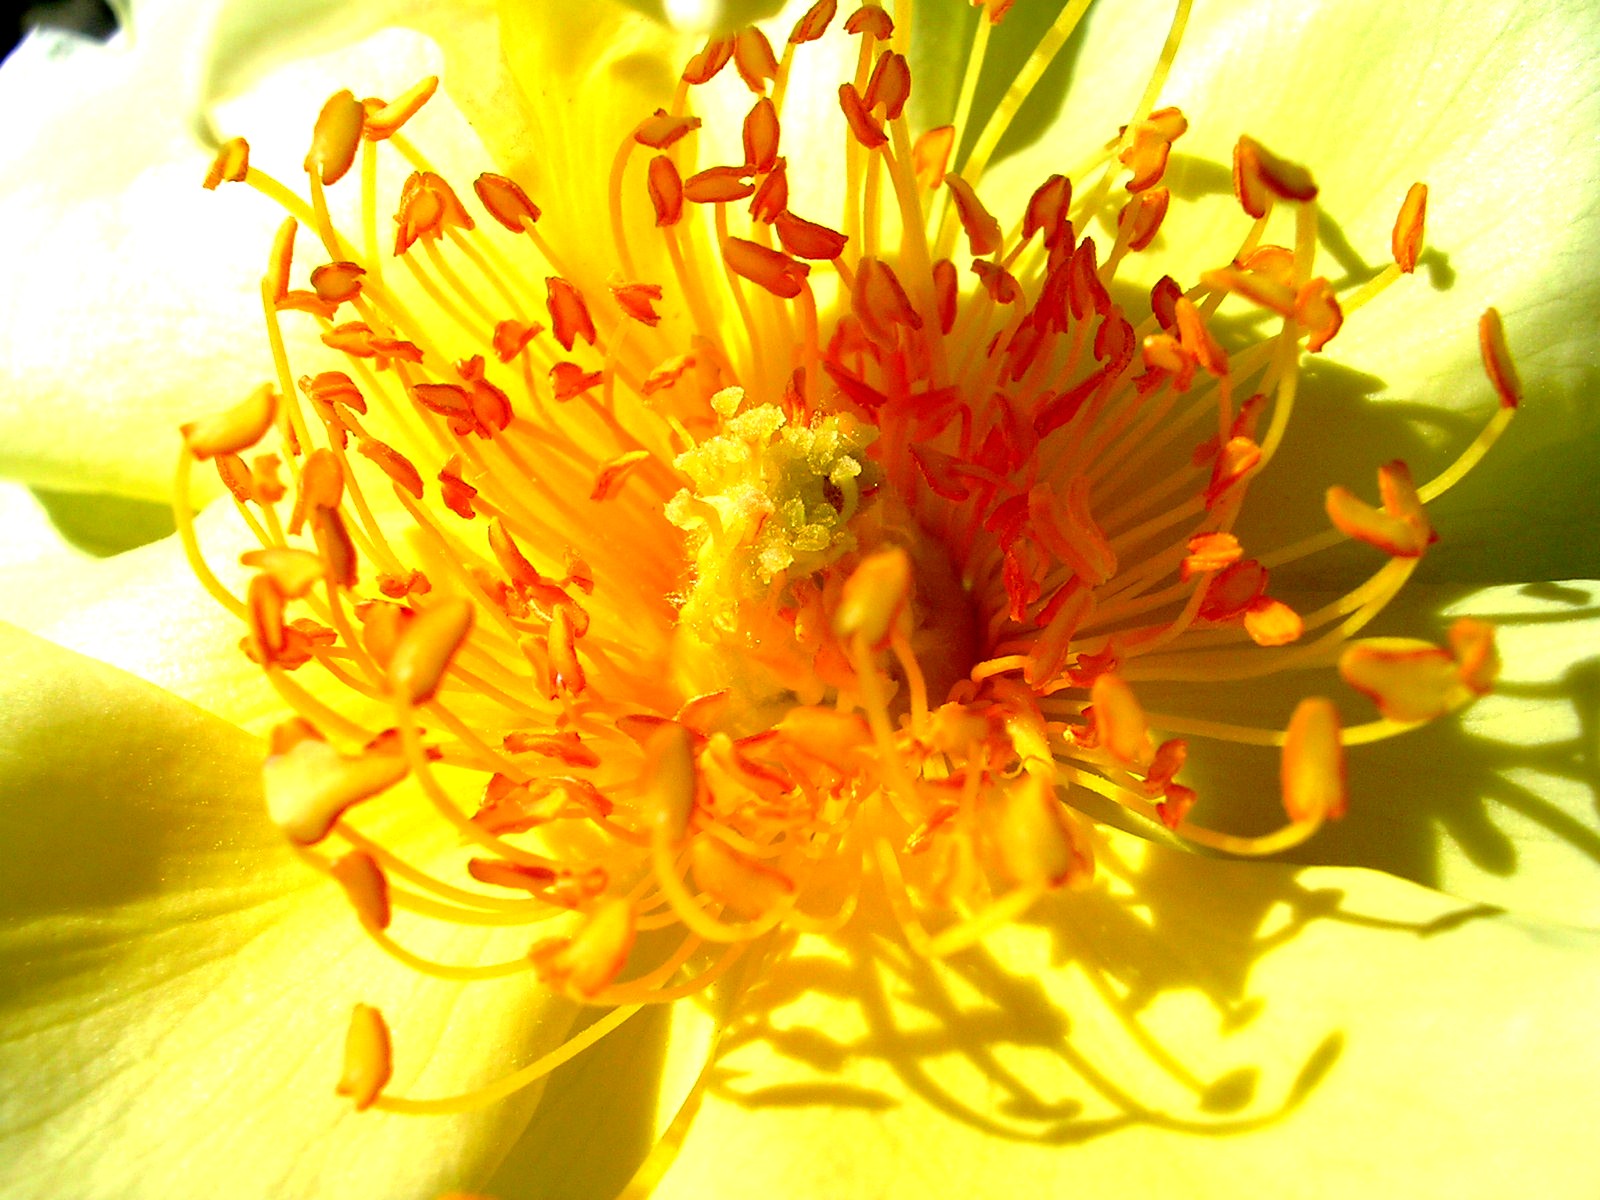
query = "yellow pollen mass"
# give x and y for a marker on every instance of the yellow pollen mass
(701, 577)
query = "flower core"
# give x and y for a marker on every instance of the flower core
(702, 575)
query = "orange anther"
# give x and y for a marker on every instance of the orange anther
(512, 337)
(1409, 680)
(983, 231)
(281, 259)
(760, 136)
(1234, 590)
(394, 464)
(772, 197)
(509, 555)
(946, 293)
(665, 186)
(334, 545)
(569, 315)
(1271, 622)
(566, 671)
(1236, 460)
(1000, 283)
(337, 282)
(718, 185)
(308, 784)
(1164, 302)
(1406, 241)
(1312, 774)
(1317, 308)
(264, 615)
(866, 127)
(235, 429)
(1209, 552)
(871, 20)
(1119, 719)
(1259, 173)
(753, 58)
(774, 271)
(1196, 338)
(586, 963)
(1141, 217)
(740, 883)
(1401, 528)
(231, 164)
(613, 471)
(662, 129)
(889, 85)
(1163, 352)
(568, 380)
(638, 300)
(1047, 210)
(385, 120)
(880, 303)
(367, 1057)
(564, 745)
(364, 882)
(335, 137)
(426, 647)
(235, 477)
(428, 206)
(1497, 362)
(1263, 289)
(1145, 153)
(930, 155)
(505, 201)
(807, 239)
(814, 22)
(1176, 803)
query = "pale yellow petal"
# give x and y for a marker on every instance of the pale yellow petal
(176, 986)
(1226, 1030)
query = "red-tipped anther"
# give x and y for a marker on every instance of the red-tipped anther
(889, 85)
(1497, 362)
(661, 129)
(1401, 528)
(760, 136)
(930, 155)
(705, 65)
(569, 315)
(768, 268)
(868, 130)
(1142, 217)
(1406, 241)
(814, 23)
(385, 120)
(231, 164)
(1259, 173)
(718, 185)
(983, 231)
(753, 58)
(871, 20)
(505, 201)
(807, 239)
(335, 138)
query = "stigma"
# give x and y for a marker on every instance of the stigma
(702, 576)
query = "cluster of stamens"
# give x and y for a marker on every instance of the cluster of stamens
(834, 556)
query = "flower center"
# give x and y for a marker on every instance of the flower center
(753, 560)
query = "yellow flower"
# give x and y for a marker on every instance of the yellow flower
(759, 637)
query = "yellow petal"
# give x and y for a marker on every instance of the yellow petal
(1249, 1030)
(176, 986)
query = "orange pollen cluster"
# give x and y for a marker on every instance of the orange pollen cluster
(699, 579)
